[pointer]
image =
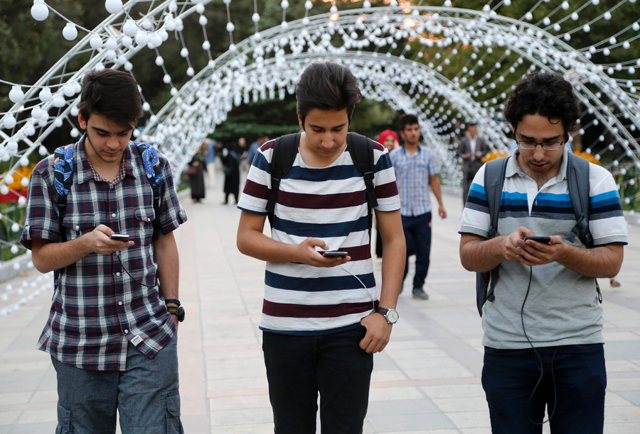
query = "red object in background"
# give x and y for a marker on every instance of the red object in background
(12, 196)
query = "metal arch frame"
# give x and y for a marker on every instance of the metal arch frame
(485, 23)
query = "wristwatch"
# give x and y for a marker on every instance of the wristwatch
(391, 315)
(177, 311)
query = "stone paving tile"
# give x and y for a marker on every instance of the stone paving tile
(426, 381)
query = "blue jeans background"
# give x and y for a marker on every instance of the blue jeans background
(300, 367)
(509, 377)
(145, 395)
(417, 233)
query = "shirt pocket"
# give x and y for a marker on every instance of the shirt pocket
(144, 218)
(75, 226)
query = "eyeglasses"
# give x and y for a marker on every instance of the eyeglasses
(546, 146)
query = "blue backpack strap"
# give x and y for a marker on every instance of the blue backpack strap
(153, 171)
(63, 170)
(578, 180)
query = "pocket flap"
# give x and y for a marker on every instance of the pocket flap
(173, 405)
(146, 215)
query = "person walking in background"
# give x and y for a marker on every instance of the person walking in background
(546, 293)
(321, 324)
(471, 149)
(416, 169)
(112, 338)
(209, 161)
(253, 149)
(231, 161)
(196, 171)
(389, 140)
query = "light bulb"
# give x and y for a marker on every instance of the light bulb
(16, 94)
(113, 6)
(39, 11)
(70, 32)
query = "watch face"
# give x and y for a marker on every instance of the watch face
(392, 316)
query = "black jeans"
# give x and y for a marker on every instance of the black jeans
(300, 367)
(509, 377)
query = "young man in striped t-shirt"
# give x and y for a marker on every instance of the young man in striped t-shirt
(321, 319)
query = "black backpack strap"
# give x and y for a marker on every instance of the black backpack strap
(284, 154)
(361, 150)
(153, 173)
(578, 180)
(494, 174)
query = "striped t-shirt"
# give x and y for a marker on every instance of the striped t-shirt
(562, 307)
(328, 203)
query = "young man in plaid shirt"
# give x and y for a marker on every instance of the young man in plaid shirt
(112, 327)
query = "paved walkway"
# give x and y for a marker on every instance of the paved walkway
(426, 381)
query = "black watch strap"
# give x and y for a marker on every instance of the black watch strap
(172, 300)
(177, 311)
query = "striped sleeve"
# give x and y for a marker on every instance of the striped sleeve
(256, 190)
(385, 180)
(475, 216)
(606, 220)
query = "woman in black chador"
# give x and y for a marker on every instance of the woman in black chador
(196, 176)
(231, 160)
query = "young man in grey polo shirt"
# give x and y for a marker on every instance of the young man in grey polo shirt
(546, 310)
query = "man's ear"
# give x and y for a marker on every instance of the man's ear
(82, 121)
(300, 121)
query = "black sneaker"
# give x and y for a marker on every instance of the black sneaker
(419, 293)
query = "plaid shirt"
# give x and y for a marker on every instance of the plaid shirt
(97, 308)
(412, 175)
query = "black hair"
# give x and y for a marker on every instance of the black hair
(327, 86)
(408, 119)
(543, 94)
(113, 94)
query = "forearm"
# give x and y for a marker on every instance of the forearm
(48, 256)
(257, 245)
(596, 262)
(166, 252)
(435, 187)
(393, 257)
(480, 255)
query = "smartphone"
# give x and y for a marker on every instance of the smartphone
(334, 254)
(120, 237)
(543, 240)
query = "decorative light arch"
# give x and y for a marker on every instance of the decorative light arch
(401, 54)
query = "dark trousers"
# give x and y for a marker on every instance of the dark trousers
(509, 377)
(417, 233)
(300, 367)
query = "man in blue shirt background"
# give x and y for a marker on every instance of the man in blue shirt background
(415, 169)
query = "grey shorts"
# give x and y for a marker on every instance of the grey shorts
(145, 396)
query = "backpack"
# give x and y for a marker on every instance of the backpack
(578, 179)
(284, 155)
(64, 172)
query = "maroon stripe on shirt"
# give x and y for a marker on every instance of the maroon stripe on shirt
(358, 253)
(256, 190)
(269, 145)
(377, 146)
(313, 311)
(387, 190)
(322, 201)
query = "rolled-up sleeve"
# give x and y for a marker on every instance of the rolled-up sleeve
(42, 216)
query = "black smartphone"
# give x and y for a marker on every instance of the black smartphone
(120, 237)
(334, 254)
(543, 240)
